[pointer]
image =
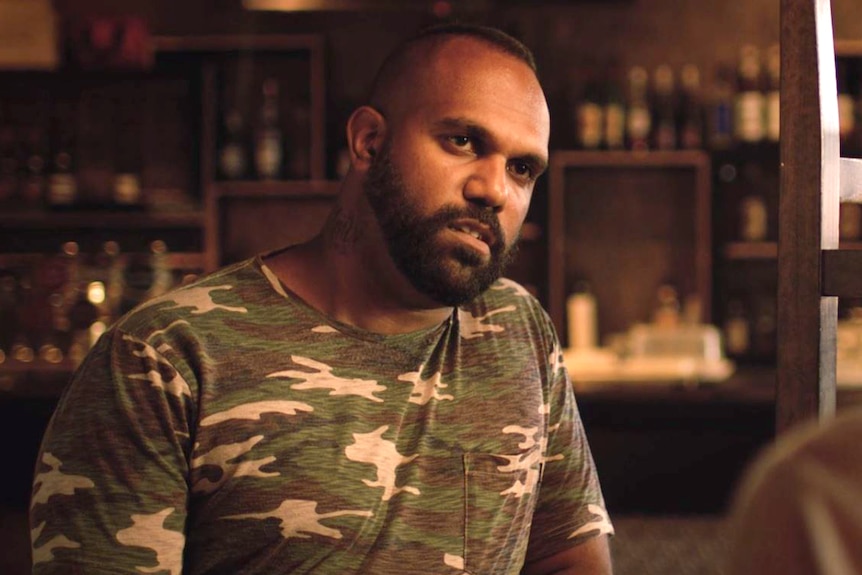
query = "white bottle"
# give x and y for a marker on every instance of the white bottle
(582, 319)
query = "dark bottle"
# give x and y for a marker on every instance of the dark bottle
(128, 159)
(664, 108)
(269, 141)
(721, 108)
(299, 157)
(163, 279)
(691, 125)
(614, 113)
(8, 164)
(638, 118)
(80, 312)
(589, 111)
(62, 185)
(232, 158)
(32, 182)
(9, 305)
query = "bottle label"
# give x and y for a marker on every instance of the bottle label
(590, 125)
(615, 126)
(62, 189)
(753, 226)
(736, 336)
(232, 161)
(750, 125)
(127, 189)
(268, 155)
(638, 123)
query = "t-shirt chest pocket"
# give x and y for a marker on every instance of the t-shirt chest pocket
(500, 495)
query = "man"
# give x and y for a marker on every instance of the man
(374, 401)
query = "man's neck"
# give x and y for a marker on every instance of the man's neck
(338, 279)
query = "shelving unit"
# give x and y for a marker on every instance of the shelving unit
(626, 223)
(205, 219)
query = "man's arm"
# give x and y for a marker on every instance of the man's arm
(592, 557)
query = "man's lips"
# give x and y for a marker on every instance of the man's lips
(476, 230)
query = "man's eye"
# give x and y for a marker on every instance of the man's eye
(522, 169)
(460, 141)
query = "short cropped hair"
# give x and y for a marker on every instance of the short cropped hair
(400, 60)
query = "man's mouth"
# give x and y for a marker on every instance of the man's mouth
(475, 230)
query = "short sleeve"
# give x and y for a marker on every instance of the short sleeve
(571, 507)
(110, 485)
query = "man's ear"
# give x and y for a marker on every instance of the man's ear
(366, 132)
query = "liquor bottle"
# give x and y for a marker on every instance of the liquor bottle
(8, 163)
(32, 182)
(127, 148)
(721, 115)
(23, 349)
(163, 279)
(691, 129)
(614, 132)
(773, 98)
(9, 305)
(846, 106)
(763, 325)
(736, 330)
(753, 217)
(753, 210)
(79, 310)
(269, 145)
(137, 279)
(109, 271)
(51, 335)
(638, 118)
(589, 112)
(62, 187)
(299, 156)
(582, 318)
(232, 159)
(749, 107)
(664, 108)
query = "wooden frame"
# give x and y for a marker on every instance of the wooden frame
(686, 174)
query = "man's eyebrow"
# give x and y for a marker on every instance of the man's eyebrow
(476, 131)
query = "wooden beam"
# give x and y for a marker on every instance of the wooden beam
(808, 213)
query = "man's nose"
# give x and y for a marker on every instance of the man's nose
(488, 184)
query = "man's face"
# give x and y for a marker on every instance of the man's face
(451, 278)
(452, 184)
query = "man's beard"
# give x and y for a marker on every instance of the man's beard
(451, 277)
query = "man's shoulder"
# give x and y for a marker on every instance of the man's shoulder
(216, 291)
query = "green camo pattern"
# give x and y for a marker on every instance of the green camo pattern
(228, 428)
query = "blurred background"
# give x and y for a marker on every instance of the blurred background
(146, 142)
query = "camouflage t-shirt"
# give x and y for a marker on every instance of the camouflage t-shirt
(229, 428)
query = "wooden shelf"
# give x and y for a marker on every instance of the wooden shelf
(175, 260)
(849, 48)
(230, 43)
(101, 218)
(275, 189)
(751, 250)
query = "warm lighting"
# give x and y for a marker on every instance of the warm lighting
(319, 5)
(96, 293)
(439, 8)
